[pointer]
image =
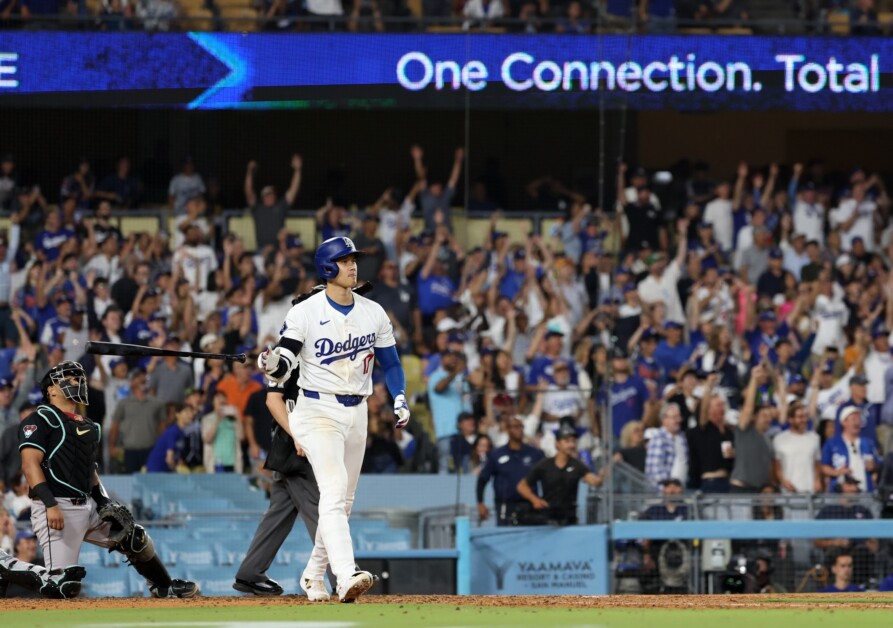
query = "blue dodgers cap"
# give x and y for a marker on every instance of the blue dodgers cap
(25, 534)
(776, 253)
(5, 383)
(35, 397)
(672, 325)
(115, 363)
(294, 242)
(768, 315)
(649, 334)
(860, 380)
(622, 270)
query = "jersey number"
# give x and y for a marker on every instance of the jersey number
(367, 361)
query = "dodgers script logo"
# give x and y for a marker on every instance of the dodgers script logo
(333, 351)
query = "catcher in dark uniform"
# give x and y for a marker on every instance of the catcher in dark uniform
(68, 502)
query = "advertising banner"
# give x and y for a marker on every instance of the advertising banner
(540, 561)
(484, 71)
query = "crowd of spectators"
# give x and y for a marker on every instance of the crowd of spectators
(530, 16)
(736, 342)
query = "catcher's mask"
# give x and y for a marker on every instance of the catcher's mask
(70, 377)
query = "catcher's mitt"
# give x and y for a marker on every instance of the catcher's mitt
(120, 518)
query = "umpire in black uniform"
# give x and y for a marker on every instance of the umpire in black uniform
(294, 492)
(508, 465)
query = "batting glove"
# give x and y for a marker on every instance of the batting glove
(401, 410)
(268, 360)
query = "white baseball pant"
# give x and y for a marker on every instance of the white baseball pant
(82, 523)
(334, 438)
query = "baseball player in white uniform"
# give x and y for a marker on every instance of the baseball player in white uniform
(337, 336)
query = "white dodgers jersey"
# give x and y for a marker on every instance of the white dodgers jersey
(338, 349)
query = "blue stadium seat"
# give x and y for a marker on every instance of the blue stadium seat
(138, 586)
(359, 526)
(91, 557)
(231, 551)
(384, 540)
(212, 581)
(204, 504)
(101, 582)
(188, 554)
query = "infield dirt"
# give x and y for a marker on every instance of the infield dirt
(815, 601)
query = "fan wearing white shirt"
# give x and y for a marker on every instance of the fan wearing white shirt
(198, 260)
(856, 217)
(718, 212)
(484, 9)
(878, 361)
(660, 284)
(798, 454)
(830, 315)
(809, 214)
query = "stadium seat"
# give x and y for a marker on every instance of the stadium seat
(412, 368)
(304, 227)
(188, 554)
(139, 224)
(212, 581)
(396, 539)
(287, 577)
(105, 583)
(243, 226)
(358, 526)
(231, 551)
(91, 556)
(734, 30)
(839, 22)
(205, 504)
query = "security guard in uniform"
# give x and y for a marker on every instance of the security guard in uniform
(559, 478)
(508, 465)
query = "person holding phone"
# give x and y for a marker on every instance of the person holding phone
(222, 434)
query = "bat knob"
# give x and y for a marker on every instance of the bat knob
(242, 358)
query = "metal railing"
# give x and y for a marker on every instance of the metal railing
(213, 21)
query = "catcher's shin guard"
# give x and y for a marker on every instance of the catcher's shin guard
(140, 551)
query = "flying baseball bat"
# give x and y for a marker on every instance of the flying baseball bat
(118, 348)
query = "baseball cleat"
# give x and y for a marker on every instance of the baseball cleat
(266, 588)
(354, 587)
(65, 583)
(177, 588)
(315, 590)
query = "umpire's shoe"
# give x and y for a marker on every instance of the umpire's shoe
(268, 587)
(177, 588)
(355, 586)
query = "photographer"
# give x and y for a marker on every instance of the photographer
(222, 434)
(559, 478)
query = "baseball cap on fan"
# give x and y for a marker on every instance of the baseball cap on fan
(207, 340)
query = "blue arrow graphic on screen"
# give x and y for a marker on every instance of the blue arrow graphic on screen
(230, 90)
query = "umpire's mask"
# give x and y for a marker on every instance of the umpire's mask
(62, 375)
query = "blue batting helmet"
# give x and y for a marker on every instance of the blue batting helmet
(330, 252)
